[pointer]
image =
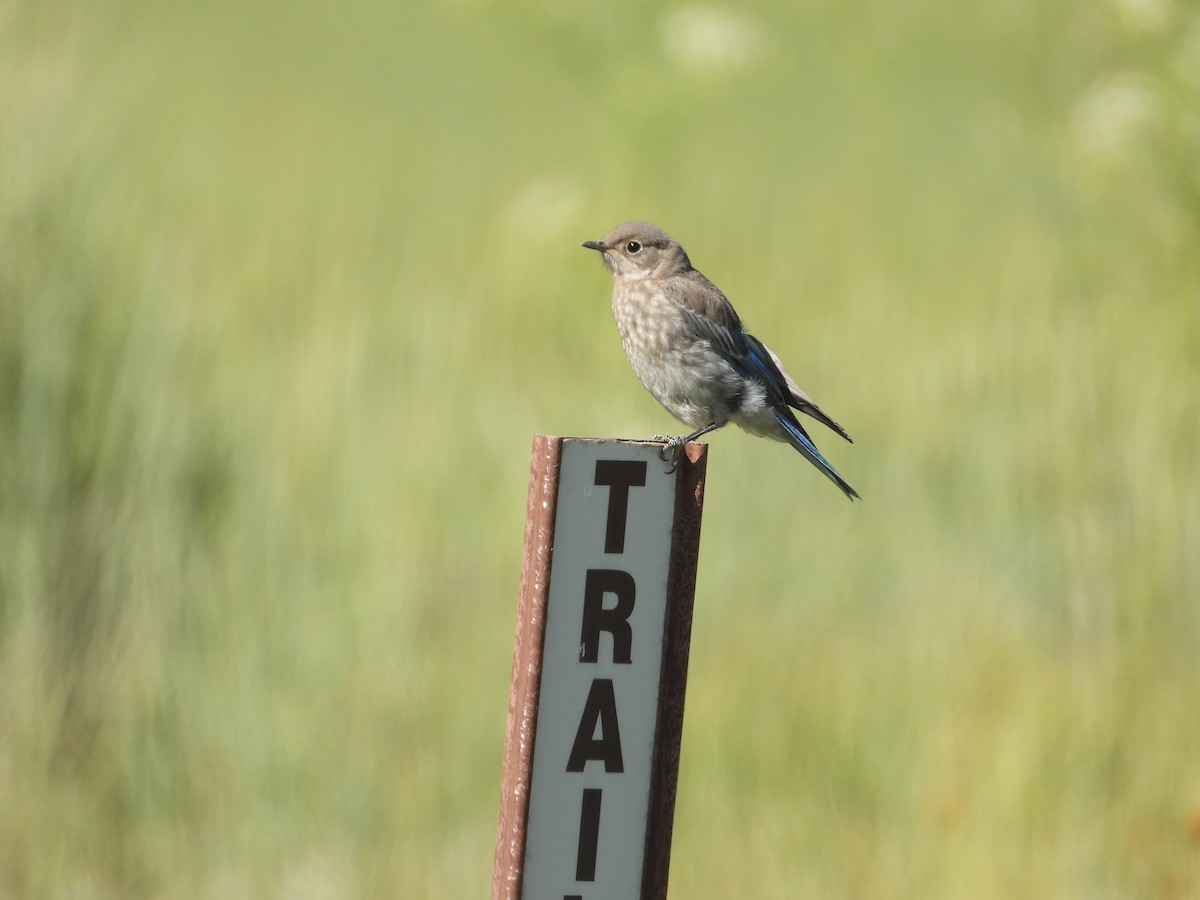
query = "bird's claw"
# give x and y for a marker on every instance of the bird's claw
(670, 451)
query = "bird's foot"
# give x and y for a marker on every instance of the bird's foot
(670, 450)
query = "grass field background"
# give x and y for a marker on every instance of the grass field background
(285, 290)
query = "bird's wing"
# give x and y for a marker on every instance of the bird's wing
(713, 318)
(742, 351)
(753, 358)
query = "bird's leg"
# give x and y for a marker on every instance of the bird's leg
(672, 445)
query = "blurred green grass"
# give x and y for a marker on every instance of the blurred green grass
(279, 289)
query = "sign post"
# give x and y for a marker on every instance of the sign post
(599, 668)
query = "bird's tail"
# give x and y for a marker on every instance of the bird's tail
(801, 441)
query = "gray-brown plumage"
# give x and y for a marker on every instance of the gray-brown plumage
(687, 345)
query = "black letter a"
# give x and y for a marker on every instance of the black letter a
(600, 709)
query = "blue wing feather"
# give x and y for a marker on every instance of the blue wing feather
(750, 357)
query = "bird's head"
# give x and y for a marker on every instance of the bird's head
(638, 250)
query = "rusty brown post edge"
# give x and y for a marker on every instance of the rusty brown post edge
(527, 667)
(677, 635)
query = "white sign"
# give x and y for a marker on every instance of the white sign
(601, 664)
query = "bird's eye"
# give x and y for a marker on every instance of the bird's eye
(633, 247)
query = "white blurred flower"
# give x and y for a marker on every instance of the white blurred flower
(320, 875)
(708, 39)
(1144, 15)
(548, 206)
(1113, 112)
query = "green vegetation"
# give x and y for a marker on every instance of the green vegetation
(285, 289)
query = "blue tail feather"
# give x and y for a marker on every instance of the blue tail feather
(803, 443)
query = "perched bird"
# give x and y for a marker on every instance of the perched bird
(687, 345)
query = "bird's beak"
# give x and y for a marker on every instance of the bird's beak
(594, 245)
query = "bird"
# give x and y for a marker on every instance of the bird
(688, 347)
